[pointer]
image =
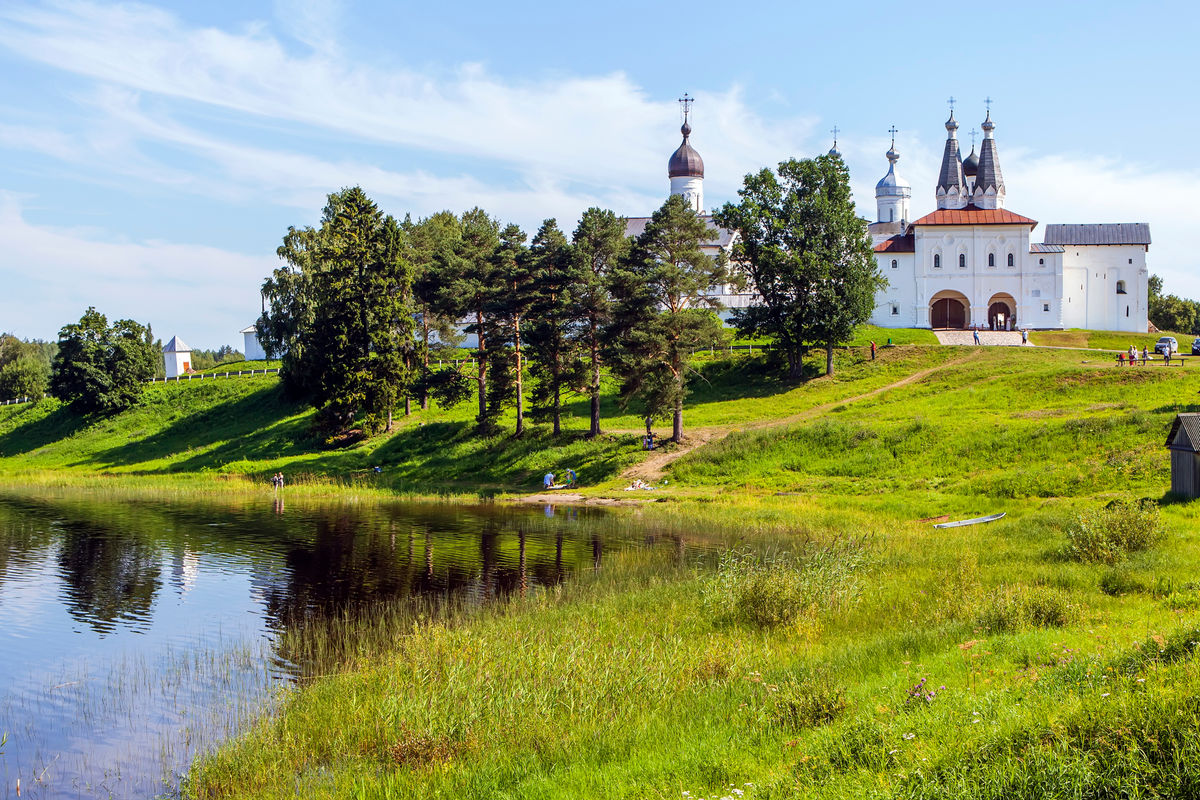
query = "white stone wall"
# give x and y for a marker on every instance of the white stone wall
(692, 190)
(1091, 274)
(177, 364)
(253, 350)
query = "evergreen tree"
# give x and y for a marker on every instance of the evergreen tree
(430, 242)
(663, 311)
(552, 336)
(341, 313)
(100, 367)
(599, 244)
(507, 310)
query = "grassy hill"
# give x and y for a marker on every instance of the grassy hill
(843, 647)
(1106, 340)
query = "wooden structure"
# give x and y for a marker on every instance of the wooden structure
(1184, 443)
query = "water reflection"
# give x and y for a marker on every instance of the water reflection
(147, 631)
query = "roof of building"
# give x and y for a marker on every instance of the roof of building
(951, 174)
(176, 345)
(249, 329)
(1185, 433)
(1046, 248)
(1101, 233)
(972, 215)
(970, 164)
(988, 175)
(905, 243)
(685, 161)
(634, 226)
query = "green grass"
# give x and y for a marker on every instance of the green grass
(1106, 340)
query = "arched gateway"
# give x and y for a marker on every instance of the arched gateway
(1002, 312)
(948, 309)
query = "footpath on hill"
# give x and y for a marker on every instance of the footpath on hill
(654, 467)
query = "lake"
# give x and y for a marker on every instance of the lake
(138, 633)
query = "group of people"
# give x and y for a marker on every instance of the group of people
(569, 483)
(277, 480)
(1132, 356)
(975, 329)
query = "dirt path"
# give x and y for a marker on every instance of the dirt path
(655, 466)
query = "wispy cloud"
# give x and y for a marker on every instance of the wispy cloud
(52, 274)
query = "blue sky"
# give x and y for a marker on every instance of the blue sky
(153, 155)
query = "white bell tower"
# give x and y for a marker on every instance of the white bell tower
(686, 168)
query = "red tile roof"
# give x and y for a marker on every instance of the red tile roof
(974, 216)
(897, 244)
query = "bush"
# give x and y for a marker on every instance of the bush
(1109, 534)
(769, 591)
(808, 700)
(1011, 608)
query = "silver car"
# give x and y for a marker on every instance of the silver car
(1167, 341)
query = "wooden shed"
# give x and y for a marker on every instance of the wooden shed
(1184, 443)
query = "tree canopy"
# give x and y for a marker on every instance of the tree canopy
(341, 313)
(806, 253)
(100, 367)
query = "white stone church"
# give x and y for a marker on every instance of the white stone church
(972, 262)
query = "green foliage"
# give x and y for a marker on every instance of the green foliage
(808, 699)
(807, 254)
(24, 377)
(662, 312)
(1014, 607)
(1171, 312)
(100, 367)
(341, 313)
(774, 590)
(553, 340)
(1107, 535)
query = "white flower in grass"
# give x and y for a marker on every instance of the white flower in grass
(1106, 694)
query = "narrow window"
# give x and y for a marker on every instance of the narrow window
(937, 261)
(1041, 262)
(1121, 288)
(891, 215)
(895, 309)
(893, 263)
(1045, 306)
(991, 259)
(1010, 259)
(1131, 261)
(1127, 311)
(962, 260)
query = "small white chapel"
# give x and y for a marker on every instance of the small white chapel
(974, 263)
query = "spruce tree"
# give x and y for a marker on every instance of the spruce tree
(599, 244)
(552, 335)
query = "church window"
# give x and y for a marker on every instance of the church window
(937, 260)
(1010, 260)
(891, 215)
(962, 260)
(991, 259)
(1131, 261)
(1041, 262)
(894, 264)
(1045, 306)
(1120, 287)
(1036, 293)
(1127, 311)
(895, 309)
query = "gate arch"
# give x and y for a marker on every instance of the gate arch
(949, 309)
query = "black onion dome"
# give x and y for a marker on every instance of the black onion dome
(971, 164)
(685, 162)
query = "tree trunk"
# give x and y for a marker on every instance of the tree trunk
(557, 408)
(389, 422)
(481, 371)
(677, 423)
(595, 430)
(424, 359)
(407, 409)
(520, 387)
(829, 358)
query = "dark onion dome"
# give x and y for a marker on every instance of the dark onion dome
(685, 162)
(971, 164)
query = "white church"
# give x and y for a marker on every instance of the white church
(974, 263)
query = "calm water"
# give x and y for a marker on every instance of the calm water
(136, 634)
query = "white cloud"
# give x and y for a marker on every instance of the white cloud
(51, 275)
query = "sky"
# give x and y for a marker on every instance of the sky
(153, 155)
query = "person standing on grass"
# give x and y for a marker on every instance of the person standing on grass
(1143, 355)
(872, 351)
(1024, 335)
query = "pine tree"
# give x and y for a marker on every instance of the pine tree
(552, 337)
(599, 245)
(663, 311)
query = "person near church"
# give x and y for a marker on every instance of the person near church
(1024, 335)
(872, 351)
(548, 481)
(975, 333)
(1121, 359)
(1143, 355)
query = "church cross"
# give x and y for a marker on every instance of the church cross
(950, 102)
(892, 130)
(835, 130)
(987, 101)
(686, 103)
(972, 138)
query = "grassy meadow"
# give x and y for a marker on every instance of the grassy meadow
(1107, 340)
(836, 645)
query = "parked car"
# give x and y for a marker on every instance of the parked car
(1165, 342)
(1196, 347)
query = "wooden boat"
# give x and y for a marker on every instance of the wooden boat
(962, 523)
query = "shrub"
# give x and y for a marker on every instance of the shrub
(1117, 582)
(1010, 608)
(808, 700)
(1108, 534)
(770, 591)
